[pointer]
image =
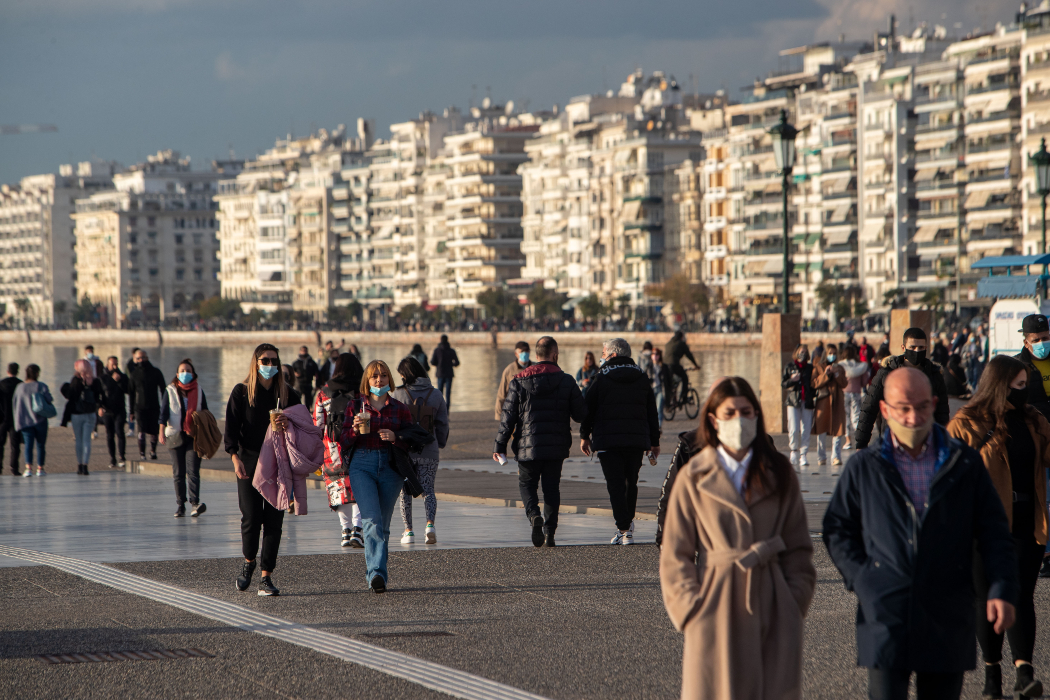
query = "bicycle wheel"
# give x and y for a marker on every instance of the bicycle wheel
(692, 404)
(669, 410)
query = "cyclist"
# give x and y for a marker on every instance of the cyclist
(674, 351)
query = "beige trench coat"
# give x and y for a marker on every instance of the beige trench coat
(742, 605)
(829, 415)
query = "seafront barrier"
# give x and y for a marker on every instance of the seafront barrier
(428, 339)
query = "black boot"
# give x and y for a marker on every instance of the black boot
(537, 530)
(1027, 684)
(549, 539)
(993, 681)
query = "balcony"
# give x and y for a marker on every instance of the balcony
(992, 87)
(994, 117)
(933, 156)
(988, 147)
(768, 249)
(643, 225)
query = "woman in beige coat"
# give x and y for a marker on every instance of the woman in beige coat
(829, 411)
(736, 566)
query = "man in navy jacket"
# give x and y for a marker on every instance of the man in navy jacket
(901, 528)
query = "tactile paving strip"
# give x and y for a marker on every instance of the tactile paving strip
(86, 657)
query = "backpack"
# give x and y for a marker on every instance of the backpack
(337, 404)
(423, 415)
(41, 406)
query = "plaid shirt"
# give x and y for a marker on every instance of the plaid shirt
(917, 472)
(393, 416)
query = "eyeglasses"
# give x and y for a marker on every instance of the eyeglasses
(907, 409)
(273, 361)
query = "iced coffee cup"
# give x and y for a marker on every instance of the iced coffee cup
(366, 422)
(273, 418)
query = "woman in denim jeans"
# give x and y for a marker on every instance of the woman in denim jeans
(32, 426)
(372, 477)
(83, 403)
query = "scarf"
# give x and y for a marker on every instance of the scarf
(192, 402)
(801, 385)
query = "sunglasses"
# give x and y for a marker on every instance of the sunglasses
(273, 361)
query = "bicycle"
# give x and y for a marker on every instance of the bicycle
(672, 403)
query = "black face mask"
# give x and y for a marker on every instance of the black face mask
(1018, 397)
(915, 357)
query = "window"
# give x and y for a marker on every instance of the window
(180, 274)
(133, 238)
(178, 239)
(132, 220)
(198, 275)
(153, 272)
(151, 221)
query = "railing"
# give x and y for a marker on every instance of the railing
(840, 195)
(1037, 97)
(995, 57)
(938, 155)
(765, 249)
(930, 128)
(993, 87)
(995, 116)
(987, 147)
(928, 99)
(838, 115)
(831, 143)
(937, 185)
(841, 248)
(926, 214)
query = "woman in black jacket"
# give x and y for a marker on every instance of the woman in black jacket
(955, 378)
(115, 387)
(83, 403)
(247, 418)
(689, 445)
(798, 380)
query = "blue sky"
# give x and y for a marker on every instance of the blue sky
(125, 78)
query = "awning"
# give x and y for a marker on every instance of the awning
(925, 234)
(1009, 286)
(838, 237)
(873, 229)
(797, 268)
(991, 216)
(624, 155)
(772, 187)
(754, 267)
(815, 267)
(774, 267)
(988, 253)
(976, 200)
(571, 303)
(631, 210)
(926, 175)
(840, 213)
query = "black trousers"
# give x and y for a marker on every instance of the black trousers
(152, 443)
(6, 432)
(679, 371)
(1022, 634)
(186, 466)
(545, 473)
(116, 441)
(306, 390)
(893, 685)
(621, 467)
(257, 517)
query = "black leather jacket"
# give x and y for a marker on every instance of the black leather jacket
(795, 386)
(539, 404)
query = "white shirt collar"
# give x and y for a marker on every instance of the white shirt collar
(736, 471)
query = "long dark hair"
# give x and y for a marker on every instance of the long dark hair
(185, 361)
(349, 368)
(768, 469)
(410, 370)
(989, 402)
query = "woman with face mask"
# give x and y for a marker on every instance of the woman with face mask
(736, 566)
(829, 412)
(368, 433)
(182, 399)
(1014, 441)
(248, 415)
(798, 380)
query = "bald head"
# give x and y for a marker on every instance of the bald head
(908, 397)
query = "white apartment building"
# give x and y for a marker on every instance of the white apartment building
(1035, 122)
(37, 253)
(147, 250)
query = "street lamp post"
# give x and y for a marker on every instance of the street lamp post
(784, 151)
(1040, 160)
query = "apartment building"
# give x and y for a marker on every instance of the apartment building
(37, 252)
(1035, 109)
(147, 250)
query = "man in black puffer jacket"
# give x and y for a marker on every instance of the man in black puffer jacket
(622, 424)
(539, 404)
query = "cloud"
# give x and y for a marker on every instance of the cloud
(226, 70)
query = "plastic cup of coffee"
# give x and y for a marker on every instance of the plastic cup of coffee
(274, 412)
(366, 423)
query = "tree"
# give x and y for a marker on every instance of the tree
(546, 303)
(893, 297)
(85, 311)
(22, 305)
(684, 295)
(255, 317)
(499, 303)
(218, 308)
(828, 294)
(860, 308)
(591, 308)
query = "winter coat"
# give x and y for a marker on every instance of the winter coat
(421, 388)
(307, 371)
(207, 438)
(173, 411)
(675, 350)
(539, 404)
(145, 384)
(22, 404)
(115, 392)
(509, 372)
(587, 375)
(687, 448)
(871, 416)
(286, 458)
(798, 387)
(737, 577)
(81, 398)
(1037, 397)
(913, 576)
(335, 468)
(997, 461)
(955, 379)
(829, 418)
(621, 408)
(444, 359)
(7, 394)
(856, 375)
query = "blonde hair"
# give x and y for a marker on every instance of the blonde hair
(252, 380)
(375, 367)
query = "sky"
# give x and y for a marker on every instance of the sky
(125, 78)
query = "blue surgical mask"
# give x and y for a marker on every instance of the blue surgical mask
(379, 391)
(268, 371)
(1041, 349)
(523, 357)
(185, 377)
(601, 361)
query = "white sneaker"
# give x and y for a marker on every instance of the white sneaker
(431, 535)
(803, 460)
(122, 465)
(794, 458)
(408, 538)
(617, 538)
(40, 471)
(28, 472)
(628, 537)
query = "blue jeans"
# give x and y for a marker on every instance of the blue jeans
(38, 434)
(660, 408)
(445, 389)
(83, 426)
(376, 487)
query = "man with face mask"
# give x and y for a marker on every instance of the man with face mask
(521, 361)
(902, 527)
(1036, 357)
(913, 356)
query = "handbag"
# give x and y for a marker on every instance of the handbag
(41, 406)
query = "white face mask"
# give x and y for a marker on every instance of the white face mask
(737, 433)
